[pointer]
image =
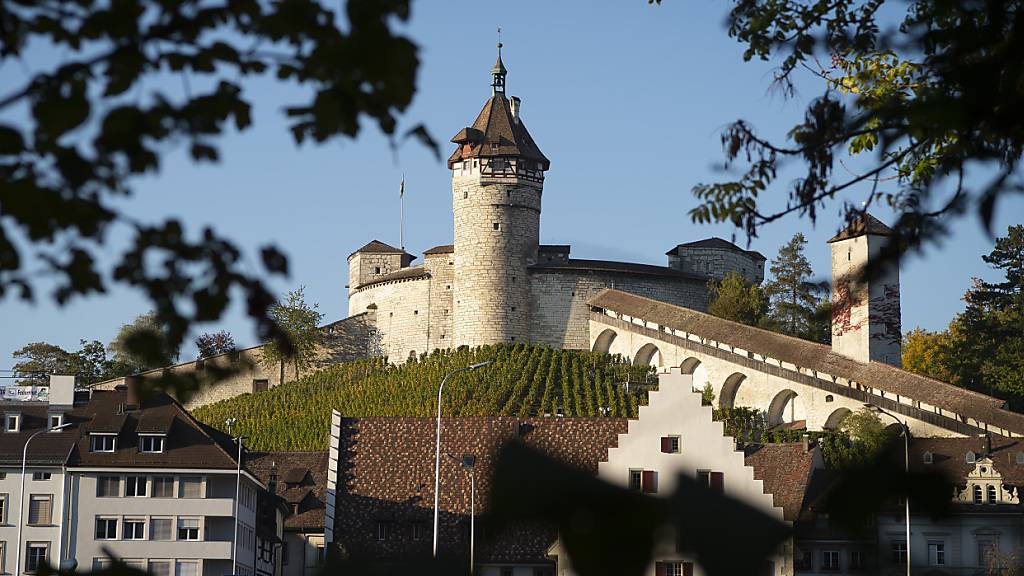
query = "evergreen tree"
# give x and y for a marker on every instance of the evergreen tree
(300, 323)
(733, 298)
(793, 297)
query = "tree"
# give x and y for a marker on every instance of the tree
(930, 107)
(212, 344)
(820, 323)
(927, 353)
(142, 345)
(733, 298)
(102, 116)
(860, 440)
(300, 323)
(792, 294)
(36, 361)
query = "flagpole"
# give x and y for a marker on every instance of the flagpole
(401, 224)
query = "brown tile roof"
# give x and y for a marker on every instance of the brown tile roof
(786, 471)
(443, 249)
(387, 475)
(189, 443)
(949, 457)
(867, 224)
(310, 470)
(814, 356)
(495, 125)
(378, 247)
(410, 273)
(617, 267)
(716, 242)
(48, 449)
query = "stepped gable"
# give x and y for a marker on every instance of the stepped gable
(301, 482)
(716, 242)
(866, 224)
(814, 356)
(386, 473)
(496, 126)
(786, 471)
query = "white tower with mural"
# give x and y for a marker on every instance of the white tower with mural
(865, 313)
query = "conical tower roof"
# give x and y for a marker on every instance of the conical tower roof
(865, 225)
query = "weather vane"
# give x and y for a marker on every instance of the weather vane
(499, 37)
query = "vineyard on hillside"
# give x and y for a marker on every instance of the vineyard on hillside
(525, 380)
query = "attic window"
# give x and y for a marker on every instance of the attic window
(494, 145)
(971, 457)
(151, 443)
(102, 442)
(928, 458)
(55, 421)
(12, 422)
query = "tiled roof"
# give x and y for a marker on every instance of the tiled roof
(378, 247)
(48, 449)
(189, 444)
(814, 356)
(617, 267)
(495, 125)
(716, 242)
(410, 273)
(311, 470)
(443, 249)
(949, 457)
(786, 471)
(867, 224)
(387, 475)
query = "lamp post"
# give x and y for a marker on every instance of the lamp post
(468, 461)
(230, 422)
(21, 499)
(906, 466)
(437, 442)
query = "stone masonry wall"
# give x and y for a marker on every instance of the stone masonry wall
(363, 266)
(441, 268)
(497, 230)
(717, 263)
(559, 299)
(865, 316)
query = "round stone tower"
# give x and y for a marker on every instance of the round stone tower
(497, 181)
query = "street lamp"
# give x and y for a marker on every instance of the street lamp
(437, 442)
(230, 422)
(21, 499)
(468, 461)
(905, 430)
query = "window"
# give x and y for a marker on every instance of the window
(159, 568)
(419, 530)
(986, 550)
(990, 492)
(134, 529)
(670, 444)
(106, 528)
(160, 528)
(465, 195)
(190, 487)
(376, 269)
(673, 568)
(507, 571)
(155, 444)
(649, 482)
(55, 420)
(163, 487)
(36, 555)
(496, 225)
(135, 486)
(936, 553)
(704, 477)
(717, 482)
(102, 442)
(899, 551)
(928, 458)
(39, 476)
(108, 486)
(39, 508)
(188, 528)
(970, 457)
(3, 510)
(977, 495)
(636, 479)
(187, 568)
(383, 531)
(12, 422)
(260, 385)
(830, 559)
(857, 560)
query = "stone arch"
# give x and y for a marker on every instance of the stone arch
(690, 365)
(727, 399)
(777, 409)
(648, 354)
(836, 418)
(604, 341)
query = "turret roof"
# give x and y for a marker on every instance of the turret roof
(496, 133)
(378, 247)
(866, 224)
(716, 242)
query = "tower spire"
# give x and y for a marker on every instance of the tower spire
(498, 71)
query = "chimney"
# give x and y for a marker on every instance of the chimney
(131, 397)
(806, 441)
(62, 390)
(514, 103)
(987, 439)
(272, 482)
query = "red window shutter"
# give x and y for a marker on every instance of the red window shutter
(718, 482)
(660, 569)
(687, 568)
(650, 481)
(666, 444)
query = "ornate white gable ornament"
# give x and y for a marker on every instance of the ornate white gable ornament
(983, 477)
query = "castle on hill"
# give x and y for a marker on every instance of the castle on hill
(497, 282)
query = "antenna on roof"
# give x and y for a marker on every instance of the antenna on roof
(401, 218)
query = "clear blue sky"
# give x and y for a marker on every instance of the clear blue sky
(625, 98)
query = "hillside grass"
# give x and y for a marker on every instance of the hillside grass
(525, 380)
